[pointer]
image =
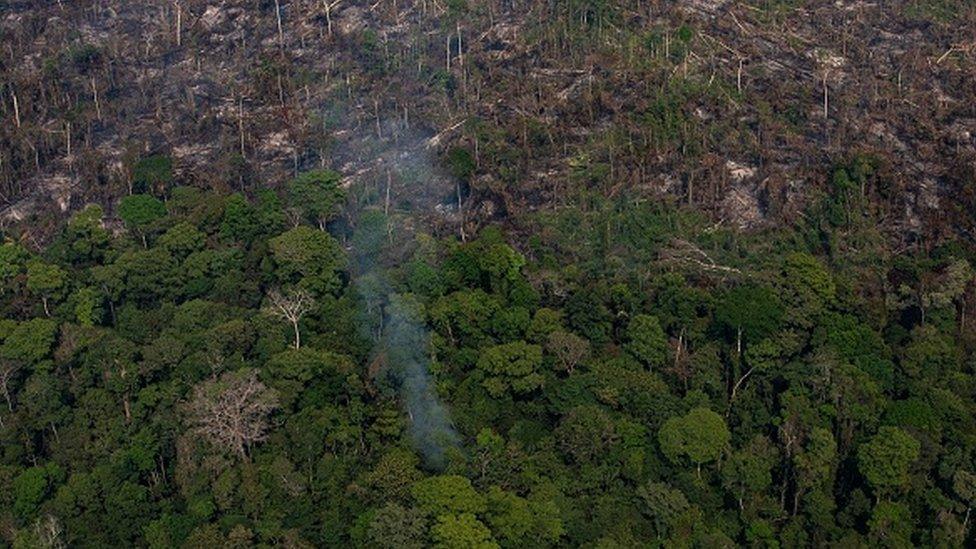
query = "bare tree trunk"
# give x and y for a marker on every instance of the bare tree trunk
(389, 183)
(5, 375)
(376, 113)
(447, 51)
(738, 77)
(328, 16)
(291, 307)
(16, 109)
(460, 53)
(47, 312)
(179, 23)
(735, 388)
(281, 34)
(825, 94)
(98, 107)
(111, 305)
(677, 350)
(460, 212)
(240, 121)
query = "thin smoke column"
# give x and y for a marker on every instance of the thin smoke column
(403, 336)
(407, 340)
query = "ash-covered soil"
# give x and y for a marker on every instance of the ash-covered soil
(742, 109)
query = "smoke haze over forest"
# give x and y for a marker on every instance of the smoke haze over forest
(493, 274)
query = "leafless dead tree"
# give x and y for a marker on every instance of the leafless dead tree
(8, 371)
(48, 533)
(568, 348)
(682, 251)
(291, 307)
(232, 412)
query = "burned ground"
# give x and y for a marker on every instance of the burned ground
(742, 109)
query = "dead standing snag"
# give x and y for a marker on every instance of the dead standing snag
(232, 412)
(291, 307)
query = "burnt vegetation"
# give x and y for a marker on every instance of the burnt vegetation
(737, 109)
(487, 274)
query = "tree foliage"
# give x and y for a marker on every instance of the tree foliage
(884, 460)
(615, 401)
(701, 435)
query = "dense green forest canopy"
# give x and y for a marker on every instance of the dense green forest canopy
(588, 273)
(627, 376)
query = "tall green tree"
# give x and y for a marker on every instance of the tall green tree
(885, 459)
(447, 495)
(45, 280)
(316, 195)
(663, 504)
(139, 212)
(701, 436)
(396, 526)
(309, 258)
(749, 313)
(152, 174)
(463, 530)
(87, 238)
(647, 341)
(511, 367)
